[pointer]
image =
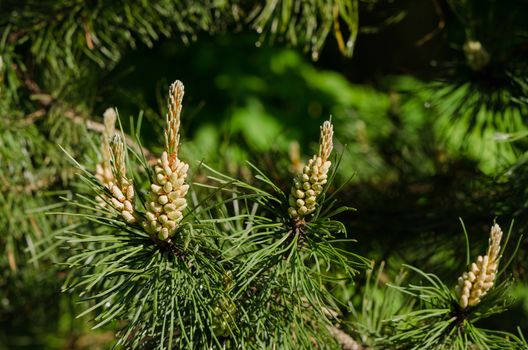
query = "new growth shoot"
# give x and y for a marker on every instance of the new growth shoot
(308, 184)
(167, 194)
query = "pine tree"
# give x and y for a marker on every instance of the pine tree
(159, 226)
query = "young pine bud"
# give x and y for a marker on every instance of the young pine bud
(309, 183)
(103, 170)
(167, 194)
(475, 284)
(122, 189)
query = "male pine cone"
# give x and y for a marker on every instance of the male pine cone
(308, 184)
(111, 172)
(167, 197)
(122, 189)
(476, 283)
(167, 194)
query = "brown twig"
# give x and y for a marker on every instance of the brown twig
(88, 35)
(46, 101)
(12, 260)
(439, 27)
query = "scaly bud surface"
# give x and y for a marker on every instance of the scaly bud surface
(167, 197)
(167, 201)
(122, 189)
(475, 284)
(308, 184)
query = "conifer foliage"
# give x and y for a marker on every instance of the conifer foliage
(190, 229)
(177, 278)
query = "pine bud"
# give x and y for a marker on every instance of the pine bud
(475, 284)
(169, 197)
(165, 210)
(309, 183)
(103, 170)
(122, 189)
(477, 57)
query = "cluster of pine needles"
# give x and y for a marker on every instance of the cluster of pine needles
(222, 263)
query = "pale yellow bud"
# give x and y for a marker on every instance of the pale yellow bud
(155, 188)
(150, 216)
(169, 189)
(112, 171)
(476, 283)
(128, 207)
(163, 234)
(129, 218)
(169, 207)
(163, 219)
(170, 225)
(116, 192)
(103, 170)
(326, 143)
(161, 179)
(299, 194)
(308, 184)
(175, 215)
(163, 199)
(117, 204)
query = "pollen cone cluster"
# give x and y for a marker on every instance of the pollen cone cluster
(308, 184)
(167, 194)
(103, 170)
(476, 283)
(122, 189)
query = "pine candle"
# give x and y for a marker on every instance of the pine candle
(167, 194)
(309, 183)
